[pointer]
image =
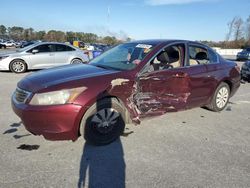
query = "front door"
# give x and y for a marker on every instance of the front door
(164, 85)
(43, 58)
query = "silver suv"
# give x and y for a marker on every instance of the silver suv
(40, 56)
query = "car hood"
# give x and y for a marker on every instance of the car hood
(56, 76)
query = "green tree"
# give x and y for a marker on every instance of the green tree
(54, 35)
(109, 40)
(29, 34)
(40, 35)
(15, 32)
(70, 36)
(3, 30)
(89, 38)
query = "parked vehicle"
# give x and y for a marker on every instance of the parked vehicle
(42, 55)
(18, 44)
(245, 71)
(9, 44)
(79, 44)
(24, 44)
(125, 84)
(244, 55)
(2, 45)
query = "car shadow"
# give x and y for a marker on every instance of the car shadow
(27, 71)
(102, 166)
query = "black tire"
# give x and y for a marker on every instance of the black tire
(18, 66)
(76, 61)
(215, 104)
(103, 135)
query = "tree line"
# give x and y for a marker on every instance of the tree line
(238, 35)
(28, 34)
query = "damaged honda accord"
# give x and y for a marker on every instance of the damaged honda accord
(125, 84)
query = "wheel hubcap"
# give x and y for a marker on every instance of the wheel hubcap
(18, 66)
(222, 97)
(76, 61)
(105, 119)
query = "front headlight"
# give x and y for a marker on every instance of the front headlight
(57, 97)
(3, 57)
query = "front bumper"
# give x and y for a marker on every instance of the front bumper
(59, 122)
(4, 64)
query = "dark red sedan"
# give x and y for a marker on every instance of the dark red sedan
(125, 84)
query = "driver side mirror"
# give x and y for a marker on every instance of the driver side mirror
(35, 51)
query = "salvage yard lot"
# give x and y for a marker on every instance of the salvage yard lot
(194, 148)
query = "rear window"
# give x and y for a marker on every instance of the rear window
(63, 48)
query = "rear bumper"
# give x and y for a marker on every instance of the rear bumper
(60, 122)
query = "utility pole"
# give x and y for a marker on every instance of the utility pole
(108, 17)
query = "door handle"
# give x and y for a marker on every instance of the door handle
(180, 75)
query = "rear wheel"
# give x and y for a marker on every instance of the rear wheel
(18, 66)
(220, 98)
(104, 122)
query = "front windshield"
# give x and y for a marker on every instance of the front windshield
(123, 57)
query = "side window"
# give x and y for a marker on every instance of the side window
(198, 56)
(43, 48)
(213, 56)
(168, 58)
(63, 48)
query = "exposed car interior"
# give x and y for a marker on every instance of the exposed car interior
(197, 56)
(170, 57)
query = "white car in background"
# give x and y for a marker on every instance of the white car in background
(42, 55)
(9, 44)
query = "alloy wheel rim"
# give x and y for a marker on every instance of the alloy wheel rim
(222, 97)
(76, 61)
(18, 66)
(105, 120)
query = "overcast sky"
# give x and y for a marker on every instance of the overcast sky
(138, 19)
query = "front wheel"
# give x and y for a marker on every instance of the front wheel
(18, 66)
(104, 123)
(220, 98)
(76, 61)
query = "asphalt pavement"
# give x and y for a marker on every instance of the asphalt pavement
(194, 148)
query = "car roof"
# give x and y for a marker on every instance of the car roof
(164, 41)
(52, 43)
(41, 43)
